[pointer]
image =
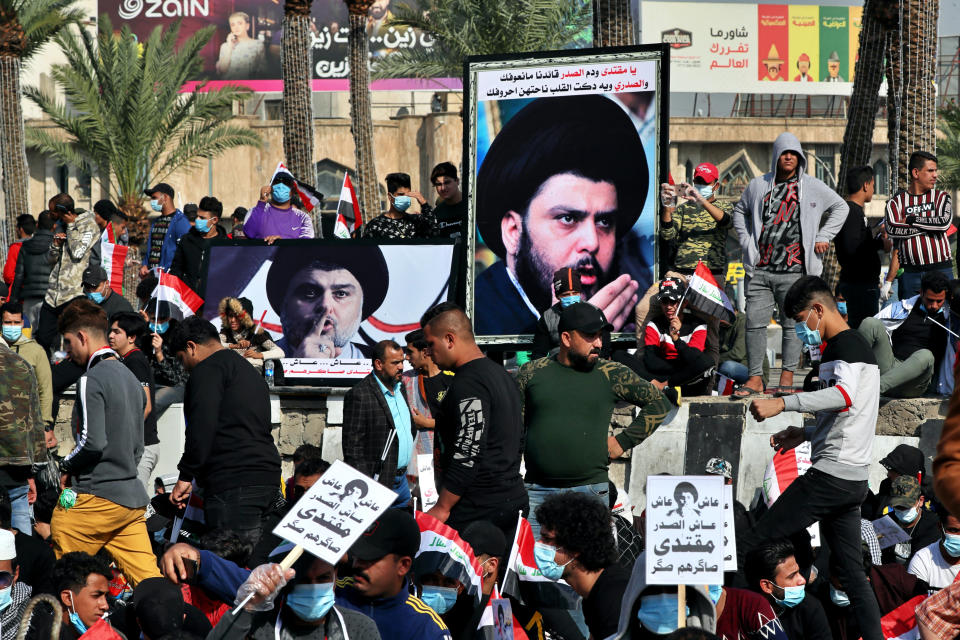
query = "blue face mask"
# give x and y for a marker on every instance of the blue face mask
(440, 599)
(311, 602)
(809, 337)
(545, 555)
(159, 328)
(75, 618)
(907, 516)
(402, 203)
(281, 192)
(96, 296)
(792, 596)
(11, 333)
(706, 190)
(658, 613)
(842, 307)
(951, 543)
(202, 225)
(838, 597)
(716, 590)
(156, 206)
(6, 599)
(566, 301)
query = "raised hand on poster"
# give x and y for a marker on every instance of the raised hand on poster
(617, 300)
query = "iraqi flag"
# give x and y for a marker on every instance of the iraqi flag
(901, 623)
(783, 469)
(310, 197)
(113, 257)
(442, 549)
(176, 292)
(523, 580)
(704, 294)
(348, 211)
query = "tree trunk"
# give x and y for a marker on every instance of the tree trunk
(361, 117)
(911, 96)
(297, 63)
(612, 23)
(13, 154)
(862, 117)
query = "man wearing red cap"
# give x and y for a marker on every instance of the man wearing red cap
(696, 230)
(803, 66)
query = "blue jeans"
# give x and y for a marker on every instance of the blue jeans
(20, 519)
(909, 284)
(734, 370)
(402, 487)
(537, 493)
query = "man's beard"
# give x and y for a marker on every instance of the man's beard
(296, 329)
(582, 362)
(536, 276)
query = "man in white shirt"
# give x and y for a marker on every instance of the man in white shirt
(937, 564)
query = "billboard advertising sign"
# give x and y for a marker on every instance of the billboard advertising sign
(757, 48)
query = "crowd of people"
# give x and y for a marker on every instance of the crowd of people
(92, 543)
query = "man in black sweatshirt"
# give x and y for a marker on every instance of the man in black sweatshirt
(857, 251)
(228, 451)
(479, 428)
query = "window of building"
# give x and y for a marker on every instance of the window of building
(882, 178)
(735, 179)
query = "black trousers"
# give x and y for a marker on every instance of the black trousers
(834, 503)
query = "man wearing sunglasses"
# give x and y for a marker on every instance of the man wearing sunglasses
(14, 595)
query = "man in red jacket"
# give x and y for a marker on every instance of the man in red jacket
(26, 225)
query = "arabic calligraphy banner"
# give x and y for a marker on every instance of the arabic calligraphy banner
(245, 48)
(564, 151)
(325, 303)
(757, 48)
(333, 513)
(685, 530)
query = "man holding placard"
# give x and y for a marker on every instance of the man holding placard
(846, 407)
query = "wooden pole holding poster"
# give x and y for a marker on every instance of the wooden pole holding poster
(681, 606)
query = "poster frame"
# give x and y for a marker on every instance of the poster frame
(658, 53)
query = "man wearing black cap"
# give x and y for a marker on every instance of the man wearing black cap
(322, 294)
(904, 460)
(96, 287)
(674, 344)
(905, 505)
(562, 183)
(165, 231)
(157, 610)
(380, 588)
(567, 447)
(568, 290)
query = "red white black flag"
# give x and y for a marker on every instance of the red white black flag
(348, 211)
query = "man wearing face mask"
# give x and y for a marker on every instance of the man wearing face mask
(82, 582)
(916, 354)
(773, 572)
(165, 230)
(14, 595)
(938, 563)
(275, 217)
(11, 314)
(905, 506)
(188, 260)
(566, 446)
(96, 287)
(397, 222)
(168, 372)
(846, 407)
(297, 604)
(568, 290)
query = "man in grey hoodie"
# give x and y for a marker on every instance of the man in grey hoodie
(778, 222)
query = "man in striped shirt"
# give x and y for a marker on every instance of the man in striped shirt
(917, 220)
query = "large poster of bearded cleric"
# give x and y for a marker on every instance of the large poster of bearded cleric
(564, 151)
(324, 303)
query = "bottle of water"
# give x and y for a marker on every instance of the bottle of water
(268, 372)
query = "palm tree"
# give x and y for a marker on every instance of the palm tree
(125, 118)
(25, 26)
(461, 28)
(948, 147)
(361, 117)
(297, 64)
(612, 23)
